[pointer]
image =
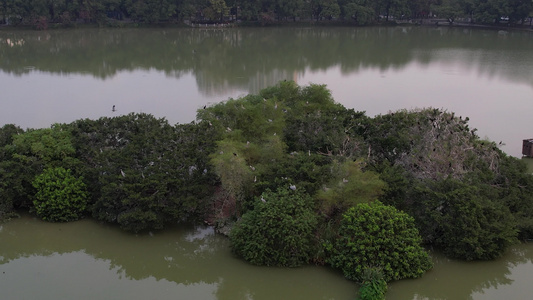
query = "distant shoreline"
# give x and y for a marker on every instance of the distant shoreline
(437, 22)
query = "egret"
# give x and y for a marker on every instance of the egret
(292, 187)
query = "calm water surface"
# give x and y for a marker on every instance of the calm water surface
(87, 260)
(61, 76)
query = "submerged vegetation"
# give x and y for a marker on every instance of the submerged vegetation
(293, 176)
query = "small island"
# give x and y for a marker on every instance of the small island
(291, 176)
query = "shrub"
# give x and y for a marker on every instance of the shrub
(60, 196)
(380, 236)
(373, 286)
(278, 231)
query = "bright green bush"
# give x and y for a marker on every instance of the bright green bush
(373, 286)
(278, 232)
(379, 236)
(60, 196)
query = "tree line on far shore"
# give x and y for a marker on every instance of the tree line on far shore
(41, 13)
(290, 175)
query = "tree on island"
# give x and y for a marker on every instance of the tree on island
(60, 196)
(373, 235)
(278, 231)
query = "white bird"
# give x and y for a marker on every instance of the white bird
(252, 167)
(344, 180)
(263, 199)
(122, 173)
(255, 178)
(228, 129)
(292, 187)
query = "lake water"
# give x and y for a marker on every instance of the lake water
(64, 75)
(88, 260)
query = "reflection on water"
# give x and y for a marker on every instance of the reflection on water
(87, 260)
(251, 59)
(504, 278)
(64, 75)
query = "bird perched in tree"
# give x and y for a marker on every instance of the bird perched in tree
(292, 187)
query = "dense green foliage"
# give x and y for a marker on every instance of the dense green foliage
(25, 155)
(373, 286)
(60, 196)
(440, 172)
(144, 172)
(12, 189)
(374, 235)
(465, 221)
(261, 148)
(41, 12)
(278, 232)
(349, 185)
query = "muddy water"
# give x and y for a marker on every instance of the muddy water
(87, 260)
